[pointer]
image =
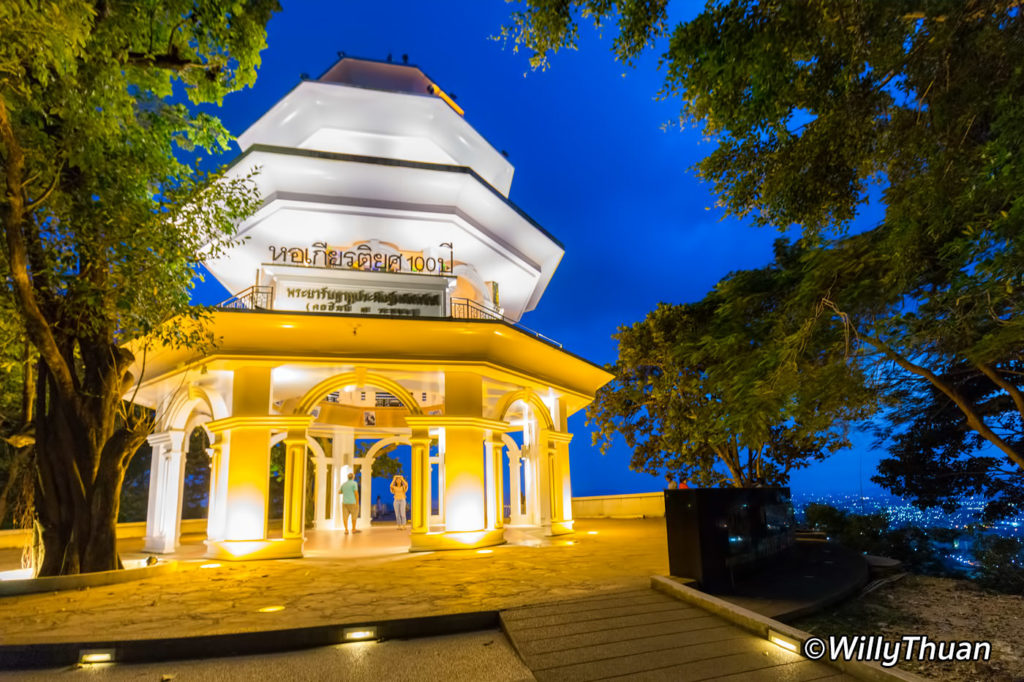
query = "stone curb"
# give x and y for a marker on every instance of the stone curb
(240, 644)
(11, 588)
(759, 625)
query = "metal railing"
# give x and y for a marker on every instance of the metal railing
(262, 298)
(468, 309)
(255, 297)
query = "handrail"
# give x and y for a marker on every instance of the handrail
(259, 297)
(255, 297)
(476, 311)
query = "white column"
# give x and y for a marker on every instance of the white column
(493, 515)
(215, 511)
(439, 460)
(515, 464)
(320, 484)
(166, 481)
(542, 481)
(342, 454)
(365, 490)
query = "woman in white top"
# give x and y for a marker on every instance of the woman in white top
(398, 488)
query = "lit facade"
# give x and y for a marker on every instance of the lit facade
(378, 293)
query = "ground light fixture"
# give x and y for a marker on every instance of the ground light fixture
(93, 656)
(785, 641)
(359, 634)
(271, 609)
(485, 551)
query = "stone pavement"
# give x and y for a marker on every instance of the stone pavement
(378, 582)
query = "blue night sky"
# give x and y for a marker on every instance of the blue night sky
(593, 165)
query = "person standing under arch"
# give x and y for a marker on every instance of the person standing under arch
(349, 502)
(399, 488)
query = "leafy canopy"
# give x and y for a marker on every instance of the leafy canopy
(712, 391)
(819, 108)
(104, 219)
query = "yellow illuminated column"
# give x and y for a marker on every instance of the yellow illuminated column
(420, 493)
(554, 461)
(365, 492)
(320, 487)
(464, 478)
(465, 464)
(244, 472)
(495, 482)
(215, 506)
(294, 485)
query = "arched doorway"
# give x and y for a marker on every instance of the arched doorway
(365, 415)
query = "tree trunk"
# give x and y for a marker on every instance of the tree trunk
(80, 469)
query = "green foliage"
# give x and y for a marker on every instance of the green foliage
(937, 459)
(871, 534)
(386, 466)
(713, 391)
(104, 221)
(815, 108)
(1000, 564)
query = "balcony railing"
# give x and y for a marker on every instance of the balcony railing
(254, 298)
(468, 309)
(262, 298)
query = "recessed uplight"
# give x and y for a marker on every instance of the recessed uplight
(591, 532)
(271, 609)
(485, 551)
(287, 326)
(210, 566)
(91, 656)
(359, 634)
(785, 641)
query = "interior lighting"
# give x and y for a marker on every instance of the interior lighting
(785, 641)
(348, 388)
(91, 656)
(271, 609)
(359, 634)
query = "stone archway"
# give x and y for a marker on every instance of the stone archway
(544, 476)
(418, 439)
(187, 408)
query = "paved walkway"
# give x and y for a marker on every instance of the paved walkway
(365, 577)
(646, 635)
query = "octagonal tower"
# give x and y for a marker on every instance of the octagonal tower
(376, 297)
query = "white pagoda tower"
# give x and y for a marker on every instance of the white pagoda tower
(377, 297)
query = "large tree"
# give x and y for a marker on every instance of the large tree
(103, 222)
(713, 391)
(819, 108)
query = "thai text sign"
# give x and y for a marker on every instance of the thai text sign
(363, 257)
(361, 301)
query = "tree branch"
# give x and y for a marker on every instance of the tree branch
(974, 420)
(36, 324)
(1015, 394)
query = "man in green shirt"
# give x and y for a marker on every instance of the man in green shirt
(349, 502)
